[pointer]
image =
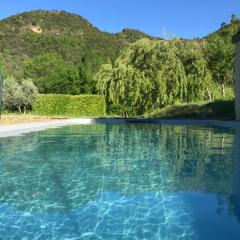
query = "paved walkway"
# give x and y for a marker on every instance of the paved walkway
(17, 129)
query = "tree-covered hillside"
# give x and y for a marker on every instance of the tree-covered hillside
(73, 38)
(132, 35)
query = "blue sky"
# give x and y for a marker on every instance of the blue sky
(184, 18)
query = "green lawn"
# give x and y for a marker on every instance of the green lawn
(222, 110)
(14, 118)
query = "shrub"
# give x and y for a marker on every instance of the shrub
(119, 110)
(69, 105)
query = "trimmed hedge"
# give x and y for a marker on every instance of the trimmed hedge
(69, 105)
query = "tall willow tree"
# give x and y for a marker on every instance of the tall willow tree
(145, 76)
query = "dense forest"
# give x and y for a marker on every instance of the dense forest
(64, 53)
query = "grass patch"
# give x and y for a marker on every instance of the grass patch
(221, 110)
(26, 118)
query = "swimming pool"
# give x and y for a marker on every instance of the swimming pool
(121, 181)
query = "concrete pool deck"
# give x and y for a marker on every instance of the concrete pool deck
(18, 129)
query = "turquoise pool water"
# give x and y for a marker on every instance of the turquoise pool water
(121, 181)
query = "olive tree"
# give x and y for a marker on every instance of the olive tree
(18, 95)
